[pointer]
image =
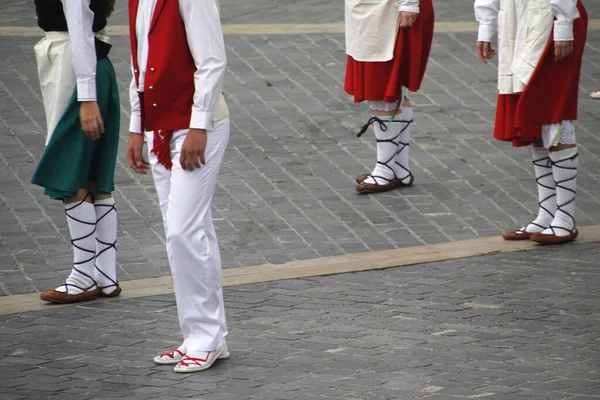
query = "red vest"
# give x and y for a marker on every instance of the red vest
(169, 81)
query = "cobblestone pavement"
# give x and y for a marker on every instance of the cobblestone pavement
(286, 191)
(518, 326)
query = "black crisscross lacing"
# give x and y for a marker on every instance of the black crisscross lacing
(400, 147)
(544, 162)
(560, 184)
(74, 243)
(113, 245)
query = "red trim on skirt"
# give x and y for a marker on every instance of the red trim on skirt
(549, 97)
(383, 81)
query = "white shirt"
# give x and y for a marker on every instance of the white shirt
(565, 12)
(408, 5)
(80, 20)
(142, 26)
(205, 40)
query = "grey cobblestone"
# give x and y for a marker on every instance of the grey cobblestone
(286, 189)
(367, 336)
(518, 326)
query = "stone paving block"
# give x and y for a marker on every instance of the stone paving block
(292, 150)
(336, 341)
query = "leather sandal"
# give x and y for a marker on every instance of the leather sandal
(361, 178)
(365, 188)
(552, 238)
(114, 293)
(519, 234)
(54, 296)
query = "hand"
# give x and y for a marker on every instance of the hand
(562, 50)
(408, 19)
(192, 151)
(91, 120)
(137, 162)
(485, 51)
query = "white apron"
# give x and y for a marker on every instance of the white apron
(57, 76)
(524, 28)
(222, 110)
(371, 29)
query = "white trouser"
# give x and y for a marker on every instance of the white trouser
(192, 246)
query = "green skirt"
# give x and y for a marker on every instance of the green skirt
(71, 160)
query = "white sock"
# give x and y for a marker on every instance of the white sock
(387, 134)
(544, 178)
(401, 166)
(106, 240)
(564, 169)
(81, 219)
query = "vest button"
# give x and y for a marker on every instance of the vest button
(151, 87)
(154, 105)
(135, 71)
(152, 69)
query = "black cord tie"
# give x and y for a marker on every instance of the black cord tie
(371, 121)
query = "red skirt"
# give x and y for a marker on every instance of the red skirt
(549, 97)
(383, 81)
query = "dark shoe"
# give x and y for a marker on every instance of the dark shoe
(365, 188)
(54, 296)
(552, 238)
(114, 293)
(361, 178)
(519, 234)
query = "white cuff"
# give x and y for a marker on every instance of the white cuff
(563, 32)
(486, 33)
(86, 90)
(412, 9)
(135, 124)
(201, 119)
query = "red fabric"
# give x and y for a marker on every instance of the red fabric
(169, 81)
(383, 81)
(161, 146)
(172, 354)
(550, 97)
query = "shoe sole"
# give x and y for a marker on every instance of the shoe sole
(114, 293)
(60, 298)
(185, 370)
(159, 361)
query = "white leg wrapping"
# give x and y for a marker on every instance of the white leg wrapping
(81, 218)
(564, 168)
(386, 134)
(546, 190)
(106, 241)
(403, 121)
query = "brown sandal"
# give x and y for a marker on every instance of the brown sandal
(361, 178)
(365, 188)
(519, 234)
(114, 293)
(54, 296)
(548, 239)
